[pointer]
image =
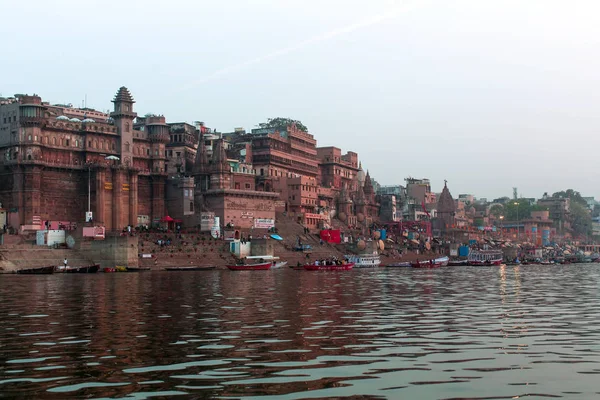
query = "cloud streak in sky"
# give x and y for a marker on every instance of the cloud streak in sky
(370, 21)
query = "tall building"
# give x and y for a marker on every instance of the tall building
(58, 166)
(337, 170)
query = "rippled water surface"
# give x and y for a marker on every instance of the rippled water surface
(493, 333)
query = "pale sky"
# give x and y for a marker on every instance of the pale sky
(488, 94)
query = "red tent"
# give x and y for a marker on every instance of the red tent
(167, 219)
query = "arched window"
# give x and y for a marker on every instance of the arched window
(113, 145)
(126, 124)
(54, 141)
(95, 144)
(191, 206)
(127, 146)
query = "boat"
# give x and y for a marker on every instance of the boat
(485, 257)
(90, 269)
(192, 268)
(279, 264)
(400, 264)
(37, 271)
(109, 269)
(137, 269)
(253, 263)
(432, 263)
(364, 260)
(332, 267)
(120, 268)
(458, 263)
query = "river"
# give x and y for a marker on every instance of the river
(451, 333)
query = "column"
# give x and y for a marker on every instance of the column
(158, 197)
(100, 214)
(133, 198)
(117, 204)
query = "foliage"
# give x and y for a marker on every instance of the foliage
(496, 210)
(581, 220)
(574, 195)
(283, 122)
(520, 209)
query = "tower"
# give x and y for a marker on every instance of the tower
(220, 177)
(123, 117)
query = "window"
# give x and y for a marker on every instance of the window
(67, 142)
(156, 152)
(29, 137)
(126, 124)
(35, 138)
(191, 206)
(54, 141)
(247, 186)
(127, 146)
(147, 152)
(76, 143)
(126, 109)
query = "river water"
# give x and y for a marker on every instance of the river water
(467, 332)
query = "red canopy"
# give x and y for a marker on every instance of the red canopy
(167, 219)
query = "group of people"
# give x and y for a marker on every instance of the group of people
(332, 261)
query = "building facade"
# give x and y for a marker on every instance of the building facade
(56, 166)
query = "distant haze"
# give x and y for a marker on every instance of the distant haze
(488, 94)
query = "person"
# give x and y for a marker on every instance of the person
(65, 262)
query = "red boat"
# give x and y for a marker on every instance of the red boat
(334, 267)
(251, 267)
(109, 269)
(433, 263)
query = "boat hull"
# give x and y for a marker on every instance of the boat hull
(251, 267)
(90, 269)
(37, 271)
(485, 263)
(433, 263)
(194, 268)
(404, 264)
(343, 267)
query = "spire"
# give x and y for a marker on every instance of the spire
(446, 202)
(220, 163)
(201, 160)
(123, 95)
(368, 186)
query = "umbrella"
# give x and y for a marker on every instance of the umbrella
(111, 158)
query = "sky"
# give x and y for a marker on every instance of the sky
(487, 94)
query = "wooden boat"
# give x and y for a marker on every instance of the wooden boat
(485, 257)
(90, 269)
(120, 268)
(259, 266)
(432, 263)
(334, 267)
(364, 260)
(192, 268)
(279, 264)
(109, 269)
(400, 264)
(137, 269)
(37, 271)
(458, 263)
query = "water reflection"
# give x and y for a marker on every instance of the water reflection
(389, 333)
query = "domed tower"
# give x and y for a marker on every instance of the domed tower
(158, 133)
(123, 117)
(446, 208)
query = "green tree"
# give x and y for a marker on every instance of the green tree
(581, 219)
(280, 122)
(520, 209)
(574, 195)
(496, 210)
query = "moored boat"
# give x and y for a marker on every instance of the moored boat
(37, 271)
(400, 264)
(258, 266)
(458, 263)
(192, 268)
(432, 263)
(332, 267)
(485, 257)
(109, 269)
(137, 269)
(89, 269)
(364, 260)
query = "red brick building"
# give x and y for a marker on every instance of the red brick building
(53, 163)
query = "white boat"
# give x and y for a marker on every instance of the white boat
(364, 260)
(275, 261)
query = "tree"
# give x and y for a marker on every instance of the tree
(581, 220)
(574, 195)
(496, 210)
(520, 209)
(280, 122)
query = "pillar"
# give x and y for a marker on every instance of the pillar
(100, 213)
(133, 198)
(158, 197)
(117, 200)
